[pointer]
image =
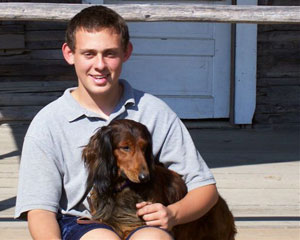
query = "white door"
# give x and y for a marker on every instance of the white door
(185, 64)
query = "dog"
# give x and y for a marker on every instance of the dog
(122, 172)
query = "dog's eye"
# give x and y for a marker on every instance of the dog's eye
(125, 148)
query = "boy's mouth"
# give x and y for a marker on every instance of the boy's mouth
(99, 76)
(100, 79)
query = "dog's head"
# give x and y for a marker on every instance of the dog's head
(121, 150)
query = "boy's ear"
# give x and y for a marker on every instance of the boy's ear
(68, 54)
(128, 51)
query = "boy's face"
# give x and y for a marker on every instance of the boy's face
(98, 60)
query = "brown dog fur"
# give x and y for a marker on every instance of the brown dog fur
(123, 172)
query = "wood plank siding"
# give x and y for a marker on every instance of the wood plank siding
(32, 69)
(278, 71)
(33, 72)
(158, 12)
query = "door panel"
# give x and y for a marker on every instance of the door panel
(170, 75)
(186, 64)
(169, 46)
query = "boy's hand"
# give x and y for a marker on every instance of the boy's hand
(156, 214)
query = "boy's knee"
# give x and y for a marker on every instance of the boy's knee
(150, 233)
(100, 234)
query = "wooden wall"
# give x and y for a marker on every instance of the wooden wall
(278, 71)
(33, 72)
(32, 69)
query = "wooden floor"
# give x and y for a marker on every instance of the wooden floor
(257, 172)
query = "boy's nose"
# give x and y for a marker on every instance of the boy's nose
(100, 63)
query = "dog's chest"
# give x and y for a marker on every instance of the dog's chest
(127, 199)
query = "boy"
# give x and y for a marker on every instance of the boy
(52, 173)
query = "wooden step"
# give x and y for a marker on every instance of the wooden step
(264, 197)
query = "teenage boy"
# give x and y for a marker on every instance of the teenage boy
(52, 173)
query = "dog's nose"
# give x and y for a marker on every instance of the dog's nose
(144, 177)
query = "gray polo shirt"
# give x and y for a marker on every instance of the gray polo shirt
(52, 174)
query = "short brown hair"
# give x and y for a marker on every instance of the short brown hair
(96, 18)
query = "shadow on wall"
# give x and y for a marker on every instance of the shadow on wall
(221, 147)
(18, 131)
(235, 147)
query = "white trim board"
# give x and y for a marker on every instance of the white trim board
(245, 70)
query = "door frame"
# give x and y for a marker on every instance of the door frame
(243, 68)
(244, 63)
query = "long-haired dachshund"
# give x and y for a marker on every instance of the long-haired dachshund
(122, 172)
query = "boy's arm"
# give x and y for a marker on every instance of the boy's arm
(194, 205)
(43, 225)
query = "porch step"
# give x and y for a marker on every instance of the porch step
(257, 172)
(266, 230)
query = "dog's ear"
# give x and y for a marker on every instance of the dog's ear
(100, 161)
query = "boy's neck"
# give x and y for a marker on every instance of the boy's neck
(103, 104)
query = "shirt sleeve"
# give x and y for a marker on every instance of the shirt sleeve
(179, 154)
(40, 180)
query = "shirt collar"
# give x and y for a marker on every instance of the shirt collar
(128, 95)
(77, 111)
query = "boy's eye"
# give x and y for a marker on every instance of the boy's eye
(111, 54)
(88, 54)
